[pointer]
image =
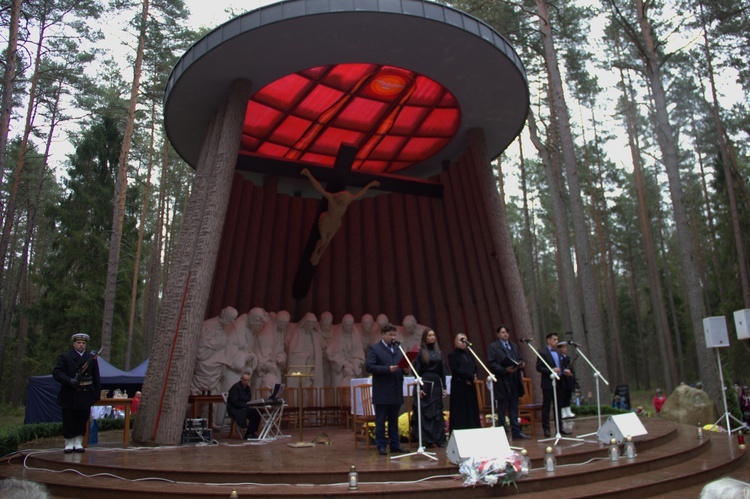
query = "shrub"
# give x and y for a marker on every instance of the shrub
(13, 436)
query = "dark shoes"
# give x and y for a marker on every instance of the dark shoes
(398, 449)
(546, 433)
(382, 452)
(252, 436)
(520, 435)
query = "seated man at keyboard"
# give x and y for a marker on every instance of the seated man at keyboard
(246, 417)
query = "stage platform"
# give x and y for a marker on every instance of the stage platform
(670, 459)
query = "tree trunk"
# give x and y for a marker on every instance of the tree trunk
(709, 216)
(497, 215)
(10, 210)
(666, 139)
(139, 244)
(529, 250)
(727, 161)
(167, 384)
(153, 278)
(121, 192)
(592, 323)
(6, 106)
(664, 340)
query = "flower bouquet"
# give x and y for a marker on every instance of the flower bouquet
(490, 471)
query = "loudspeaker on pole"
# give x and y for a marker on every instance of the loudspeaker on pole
(620, 426)
(715, 331)
(478, 442)
(742, 323)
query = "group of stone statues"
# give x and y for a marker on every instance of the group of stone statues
(271, 346)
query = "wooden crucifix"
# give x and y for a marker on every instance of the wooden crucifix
(336, 179)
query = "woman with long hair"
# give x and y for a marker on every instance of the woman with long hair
(430, 366)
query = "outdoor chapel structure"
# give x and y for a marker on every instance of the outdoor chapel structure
(417, 96)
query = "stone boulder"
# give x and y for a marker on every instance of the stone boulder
(690, 406)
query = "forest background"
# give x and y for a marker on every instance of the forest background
(626, 194)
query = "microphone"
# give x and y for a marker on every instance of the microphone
(526, 340)
(465, 342)
(395, 343)
(574, 344)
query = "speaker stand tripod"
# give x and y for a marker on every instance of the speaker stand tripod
(418, 388)
(727, 414)
(555, 378)
(597, 376)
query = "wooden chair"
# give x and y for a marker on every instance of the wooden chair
(344, 394)
(290, 418)
(484, 401)
(361, 430)
(526, 406)
(311, 407)
(329, 407)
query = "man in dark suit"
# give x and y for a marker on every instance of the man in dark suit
(77, 371)
(247, 418)
(387, 387)
(502, 359)
(550, 355)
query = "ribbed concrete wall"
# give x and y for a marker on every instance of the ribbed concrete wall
(395, 254)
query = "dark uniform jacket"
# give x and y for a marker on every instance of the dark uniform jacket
(89, 388)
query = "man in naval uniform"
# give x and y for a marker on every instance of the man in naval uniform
(77, 371)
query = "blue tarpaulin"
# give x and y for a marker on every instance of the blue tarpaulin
(41, 392)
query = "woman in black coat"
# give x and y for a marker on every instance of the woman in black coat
(464, 402)
(430, 366)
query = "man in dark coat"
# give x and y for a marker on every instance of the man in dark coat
(505, 362)
(77, 371)
(552, 358)
(247, 418)
(387, 387)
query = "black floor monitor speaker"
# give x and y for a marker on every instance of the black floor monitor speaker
(478, 442)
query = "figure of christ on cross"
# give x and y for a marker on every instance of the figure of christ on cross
(329, 221)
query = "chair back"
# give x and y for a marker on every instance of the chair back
(481, 386)
(328, 396)
(528, 396)
(344, 397)
(365, 394)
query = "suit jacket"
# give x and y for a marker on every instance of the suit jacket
(546, 381)
(387, 387)
(505, 380)
(237, 400)
(90, 388)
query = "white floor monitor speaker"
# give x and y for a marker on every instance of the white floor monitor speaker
(742, 323)
(620, 426)
(715, 331)
(478, 442)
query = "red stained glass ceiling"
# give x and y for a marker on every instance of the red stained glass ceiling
(395, 117)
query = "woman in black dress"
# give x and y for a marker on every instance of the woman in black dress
(430, 366)
(464, 403)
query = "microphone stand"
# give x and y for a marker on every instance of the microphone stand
(420, 450)
(597, 375)
(491, 380)
(555, 378)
